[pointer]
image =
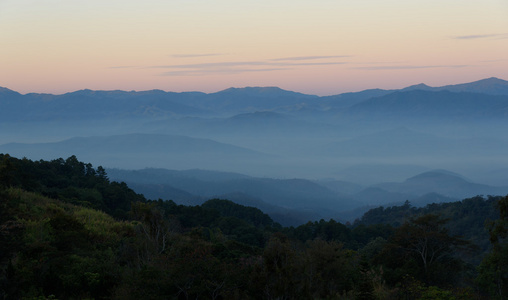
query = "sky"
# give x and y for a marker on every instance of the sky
(320, 47)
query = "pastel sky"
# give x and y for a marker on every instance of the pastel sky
(320, 47)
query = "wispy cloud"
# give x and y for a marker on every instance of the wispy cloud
(196, 55)
(406, 67)
(218, 71)
(236, 67)
(210, 65)
(312, 64)
(244, 63)
(481, 36)
(309, 57)
(380, 62)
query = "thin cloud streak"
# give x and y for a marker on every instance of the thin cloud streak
(218, 71)
(309, 57)
(234, 67)
(481, 36)
(210, 65)
(243, 63)
(379, 62)
(313, 64)
(408, 67)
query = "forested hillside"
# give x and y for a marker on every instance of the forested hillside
(68, 232)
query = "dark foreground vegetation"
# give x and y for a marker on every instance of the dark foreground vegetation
(68, 232)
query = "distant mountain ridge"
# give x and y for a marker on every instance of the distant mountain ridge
(490, 86)
(435, 104)
(157, 103)
(442, 182)
(128, 148)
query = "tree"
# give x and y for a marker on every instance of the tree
(7, 169)
(493, 271)
(155, 229)
(331, 269)
(281, 275)
(424, 249)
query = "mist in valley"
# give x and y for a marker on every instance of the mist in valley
(293, 155)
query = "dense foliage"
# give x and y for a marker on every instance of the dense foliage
(68, 232)
(466, 218)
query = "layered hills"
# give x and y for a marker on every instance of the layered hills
(297, 153)
(292, 201)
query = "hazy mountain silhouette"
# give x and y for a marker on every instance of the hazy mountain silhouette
(252, 99)
(297, 194)
(5, 92)
(356, 139)
(442, 182)
(264, 123)
(430, 104)
(489, 86)
(299, 197)
(139, 150)
(348, 99)
(88, 104)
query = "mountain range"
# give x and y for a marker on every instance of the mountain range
(88, 104)
(311, 155)
(291, 201)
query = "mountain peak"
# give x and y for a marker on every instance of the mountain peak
(268, 91)
(492, 86)
(493, 80)
(487, 82)
(421, 86)
(6, 91)
(253, 89)
(437, 175)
